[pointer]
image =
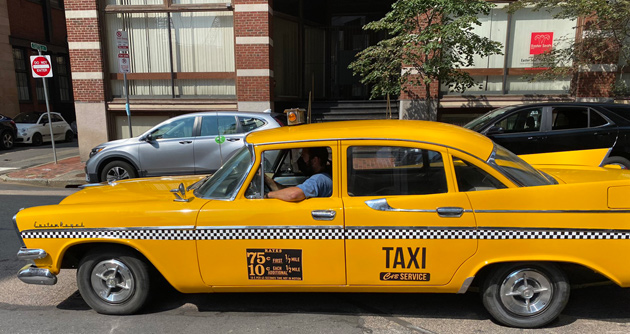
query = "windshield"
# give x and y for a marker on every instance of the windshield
(478, 123)
(517, 170)
(27, 117)
(225, 182)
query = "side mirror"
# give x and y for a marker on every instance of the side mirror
(495, 130)
(148, 138)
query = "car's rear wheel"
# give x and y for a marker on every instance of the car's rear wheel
(69, 136)
(118, 170)
(7, 140)
(114, 282)
(619, 161)
(37, 139)
(526, 295)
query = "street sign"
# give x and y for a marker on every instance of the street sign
(41, 67)
(123, 63)
(122, 40)
(39, 47)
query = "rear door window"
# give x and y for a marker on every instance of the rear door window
(385, 170)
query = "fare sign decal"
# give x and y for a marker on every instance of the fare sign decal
(541, 42)
(41, 67)
(274, 264)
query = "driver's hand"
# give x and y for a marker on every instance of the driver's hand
(271, 183)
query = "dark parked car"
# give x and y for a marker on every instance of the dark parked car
(8, 132)
(553, 127)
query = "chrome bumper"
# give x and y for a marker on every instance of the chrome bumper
(31, 254)
(32, 275)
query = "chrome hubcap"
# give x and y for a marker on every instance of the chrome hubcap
(117, 173)
(112, 281)
(526, 292)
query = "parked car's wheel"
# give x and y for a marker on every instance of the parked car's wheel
(619, 161)
(526, 295)
(7, 140)
(118, 170)
(115, 282)
(69, 136)
(37, 139)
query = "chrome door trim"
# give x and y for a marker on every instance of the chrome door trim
(381, 204)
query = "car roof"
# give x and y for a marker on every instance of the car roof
(569, 104)
(423, 131)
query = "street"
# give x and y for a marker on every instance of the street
(59, 308)
(24, 156)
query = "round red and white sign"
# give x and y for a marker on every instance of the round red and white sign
(41, 67)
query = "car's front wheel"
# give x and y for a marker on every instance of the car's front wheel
(7, 140)
(114, 282)
(526, 295)
(118, 170)
(37, 139)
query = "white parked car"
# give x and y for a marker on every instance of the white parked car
(33, 128)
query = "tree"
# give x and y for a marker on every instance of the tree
(604, 37)
(429, 41)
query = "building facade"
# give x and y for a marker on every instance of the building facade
(252, 55)
(23, 22)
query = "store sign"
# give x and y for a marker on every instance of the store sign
(541, 42)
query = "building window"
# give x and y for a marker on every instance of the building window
(21, 75)
(63, 82)
(523, 34)
(56, 4)
(175, 52)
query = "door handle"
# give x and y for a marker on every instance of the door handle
(233, 139)
(185, 142)
(450, 212)
(323, 214)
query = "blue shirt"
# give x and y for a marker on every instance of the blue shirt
(318, 185)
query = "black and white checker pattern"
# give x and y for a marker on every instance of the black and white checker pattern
(410, 233)
(328, 233)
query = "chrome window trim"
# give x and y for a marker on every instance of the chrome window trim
(88, 229)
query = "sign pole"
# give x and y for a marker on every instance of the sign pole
(52, 137)
(126, 84)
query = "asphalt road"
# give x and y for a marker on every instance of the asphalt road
(24, 156)
(59, 308)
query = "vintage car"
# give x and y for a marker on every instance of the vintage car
(416, 207)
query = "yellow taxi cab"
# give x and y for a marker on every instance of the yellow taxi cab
(415, 207)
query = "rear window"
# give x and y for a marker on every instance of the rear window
(623, 111)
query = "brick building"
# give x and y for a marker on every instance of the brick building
(252, 55)
(42, 22)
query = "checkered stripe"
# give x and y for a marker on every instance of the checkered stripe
(504, 234)
(351, 233)
(270, 233)
(410, 233)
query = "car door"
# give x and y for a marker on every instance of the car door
(170, 149)
(577, 128)
(216, 142)
(520, 130)
(405, 223)
(256, 241)
(43, 127)
(58, 127)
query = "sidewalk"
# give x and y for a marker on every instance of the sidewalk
(66, 173)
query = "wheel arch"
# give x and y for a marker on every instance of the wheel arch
(105, 161)
(579, 274)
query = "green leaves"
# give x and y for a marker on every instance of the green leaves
(430, 40)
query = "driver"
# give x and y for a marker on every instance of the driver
(312, 163)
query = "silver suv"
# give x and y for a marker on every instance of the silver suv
(196, 143)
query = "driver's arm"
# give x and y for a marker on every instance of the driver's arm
(290, 194)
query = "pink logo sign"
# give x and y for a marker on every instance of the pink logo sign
(541, 42)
